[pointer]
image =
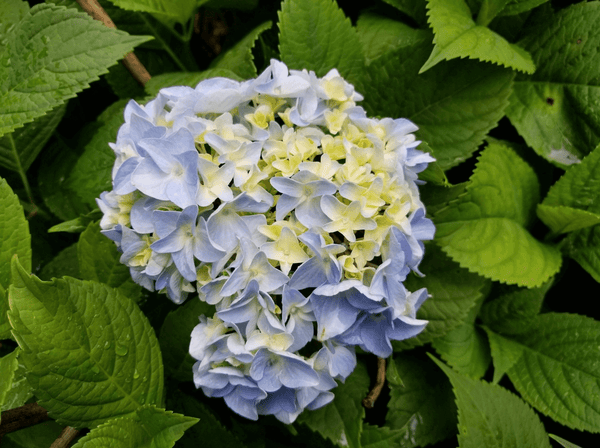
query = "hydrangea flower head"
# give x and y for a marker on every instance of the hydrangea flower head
(280, 203)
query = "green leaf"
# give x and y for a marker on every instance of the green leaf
(488, 10)
(186, 79)
(563, 442)
(239, 58)
(466, 348)
(20, 390)
(4, 323)
(180, 10)
(583, 246)
(490, 416)
(39, 69)
(557, 372)
(556, 109)
(458, 36)
(175, 335)
(64, 263)
(99, 261)
(415, 9)
(423, 406)
(380, 35)
(14, 233)
(341, 420)
(209, 429)
(505, 353)
(514, 311)
(379, 437)
(484, 230)
(11, 13)
(455, 104)
(317, 36)
(91, 354)
(19, 149)
(150, 427)
(514, 7)
(92, 173)
(453, 290)
(8, 365)
(41, 435)
(571, 203)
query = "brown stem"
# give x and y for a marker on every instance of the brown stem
(369, 401)
(130, 61)
(67, 435)
(22, 417)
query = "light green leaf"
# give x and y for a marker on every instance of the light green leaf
(341, 420)
(415, 9)
(19, 149)
(453, 290)
(505, 353)
(556, 109)
(41, 68)
(458, 36)
(91, 354)
(488, 10)
(492, 417)
(99, 261)
(14, 233)
(583, 246)
(379, 35)
(466, 348)
(484, 230)
(317, 36)
(186, 79)
(150, 427)
(514, 7)
(563, 442)
(379, 437)
(175, 334)
(455, 104)
(180, 10)
(20, 390)
(4, 324)
(11, 13)
(423, 406)
(239, 58)
(513, 311)
(92, 173)
(557, 372)
(8, 366)
(571, 203)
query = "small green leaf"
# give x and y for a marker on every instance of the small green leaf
(4, 324)
(484, 230)
(175, 334)
(492, 417)
(11, 13)
(415, 9)
(91, 354)
(380, 35)
(514, 7)
(39, 69)
(180, 10)
(505, 353)
(453, 290)
(458, 36)
(584, 247)
(8, 366)
(466, 348)
(64, 263)
(556, 109)
(19, 149)
(557, 372)
(317, 36)
(455, 104)
(563, 442)
(150, 427)
(239, 59)
(514, 311)
(92, 173)
(379, 437)
(14, 233)
(423, 406)
(186, 79)
(20, 390)
(341, 420)
(571, 203)
(488, 10)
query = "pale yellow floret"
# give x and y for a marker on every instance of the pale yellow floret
(261, 117)
(354, 172)
(142, 257)
(334, 120)
(364, 251)
(285, 249)
(325, 168)
(285, 116)
(333, 147)
(351, 271)
(334, 88)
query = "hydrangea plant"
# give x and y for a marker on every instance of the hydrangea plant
(281, 203)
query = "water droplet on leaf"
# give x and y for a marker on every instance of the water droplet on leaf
(120, 350)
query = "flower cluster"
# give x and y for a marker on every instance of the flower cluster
(278, 201)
